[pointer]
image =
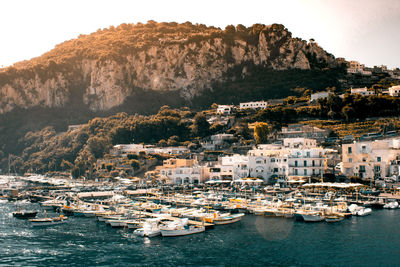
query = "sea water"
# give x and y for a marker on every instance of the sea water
(373, 240)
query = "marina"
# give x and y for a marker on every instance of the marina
(255, 240)
(267, 227)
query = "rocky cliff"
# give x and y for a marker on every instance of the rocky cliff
(103, 69)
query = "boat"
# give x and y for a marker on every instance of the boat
(180, 228)
(25, 214)
(313, 216)
(184, 230)
(391, 205)
(364, 212)
(135, 224)
(117, 222)
(228, 218)
(334, 218)
(48, 221)
(150, 229)
(359, 210)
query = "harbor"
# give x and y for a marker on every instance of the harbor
(255, 240)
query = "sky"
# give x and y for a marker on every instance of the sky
(362, 30)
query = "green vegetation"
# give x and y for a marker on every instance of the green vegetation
(78, 150)
(261, 132)
(356, 128)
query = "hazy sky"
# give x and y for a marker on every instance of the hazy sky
(363, 30)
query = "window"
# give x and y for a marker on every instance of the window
(305, 171)
(295, 163)
(305, 163)
(272, 160)
(364, 159)
(377, 169)
(295, 172)
(348, 171)
(363, 149)
(378, 159)
(313, 163)
(362, 168)
(308, 154)
(349, 150)
(350, 160)
(313, 171)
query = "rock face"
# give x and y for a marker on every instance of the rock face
(186, 67)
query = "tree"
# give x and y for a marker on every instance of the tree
(173, 140)
(200, 127)
(135, 164)
(97, 146)
(348, 113)
(261, 131)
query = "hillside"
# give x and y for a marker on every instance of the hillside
(139, 68)
(111, 67)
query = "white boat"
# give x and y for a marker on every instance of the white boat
(135, 224)
(313, 216)
(359, 210)
(150, 229)
(364, 212)
(334, 218)
(391, 205)
(48, 221)
(184, 230)
(227, 219)
(180, 228)
(117, 223)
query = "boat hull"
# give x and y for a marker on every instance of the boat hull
(24, 214)
(47, 221)
(182, 232)
(230, 219)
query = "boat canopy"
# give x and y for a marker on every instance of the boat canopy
(333, 185)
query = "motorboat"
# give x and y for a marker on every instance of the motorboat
(25, 214)
(180, 228)
(48, 221)
(334, 218)
(313, 216)
(364, 212)
(391, 205)
(150, 229)
(227, 218)
(359, 210)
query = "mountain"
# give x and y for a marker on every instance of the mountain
(115, 66)
(139, 68)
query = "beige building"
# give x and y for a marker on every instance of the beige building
(394, 90)
(371, 159)
(182, 171)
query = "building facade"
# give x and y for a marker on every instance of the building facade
(371, 159)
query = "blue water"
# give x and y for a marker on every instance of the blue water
(255, 241)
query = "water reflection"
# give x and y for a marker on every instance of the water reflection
(272, 229)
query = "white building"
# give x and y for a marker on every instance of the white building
(254, 105)
(361, 91)
(217, 141)
(296, 159)
(224, 109)
(319, 95)
(394, 90)
(371, 159)
(124, 149)
(303, 131)
(231, 168)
